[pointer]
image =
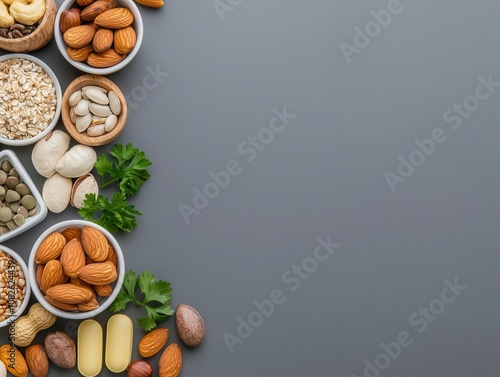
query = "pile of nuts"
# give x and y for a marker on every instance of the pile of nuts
(16, 201)
(74, 267)
(94, 110)
(12, 286)
(17, 31)
(18, 18)
(27, 99)
(99, 34)
(53, 159)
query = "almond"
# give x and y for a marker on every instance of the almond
(151, 343)
(98, 273)
(115, 18)
(80, 282)
(103, 40)
(79, 36)
(105, 60)
(72, 258)
(39, 274)
(125, 40)
(61, 305)
(96, 8)
(170, 363)
(37, 360)
(70, 233)
(68, 20)
(103, 290)
(84, 3)
(69, 293)
(16, 364)
(50, 248)
(112, 255)
(151, 3)
(79, 54)
(53, 275)
(89, 305)
(94, 244)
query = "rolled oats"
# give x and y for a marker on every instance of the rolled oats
(27, 99)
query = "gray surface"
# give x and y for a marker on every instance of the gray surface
(323, 175)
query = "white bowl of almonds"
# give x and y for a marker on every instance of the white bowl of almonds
(99, 37)
(14, 284)
(30, 99)
(77, 269)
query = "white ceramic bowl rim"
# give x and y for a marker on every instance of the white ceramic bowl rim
(53, 77)
(27, 295)
(104, 304)
(25, 178)
(138, 27)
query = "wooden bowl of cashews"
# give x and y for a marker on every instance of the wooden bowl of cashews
(26, 25)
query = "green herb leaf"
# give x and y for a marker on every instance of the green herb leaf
(128, 169)
(115, 215)
(154, 291)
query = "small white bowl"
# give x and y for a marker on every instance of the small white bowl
(104, 303)
(27, 294)
(25, 178)
(50, 127)
(82, 66)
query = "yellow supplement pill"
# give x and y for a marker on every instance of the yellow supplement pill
(89, 348)
(119, 339)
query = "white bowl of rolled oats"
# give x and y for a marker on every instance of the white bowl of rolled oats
(14, 284)
(30, 99)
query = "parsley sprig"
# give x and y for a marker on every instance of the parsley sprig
(115, 215)
(128, 169)
(157, 294)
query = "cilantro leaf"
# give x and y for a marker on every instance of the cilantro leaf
(154, 291)
(126, 294)
(128, 169)
(115, 215)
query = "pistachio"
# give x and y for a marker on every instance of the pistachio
(75, 98)
(22, 189)
(56, 192)
(97, 96)
(83, 107)
(48, 151)
(18, 219)
(83, 186)
(77, 162)
(96, 130)
(110, 122)
(6, 165)
(83, 122)
(5, 214)
(99, 110)
(72, 115)
(3, 177)
(11, 182)
(114, 103)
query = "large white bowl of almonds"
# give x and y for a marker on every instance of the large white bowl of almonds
(14, 286)
(30, 99)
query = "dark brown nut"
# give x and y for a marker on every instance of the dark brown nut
(60, 349)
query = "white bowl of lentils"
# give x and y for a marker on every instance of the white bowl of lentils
(21, 205)
(30, 99)
(15, 289)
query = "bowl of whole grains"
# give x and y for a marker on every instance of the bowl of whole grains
(30, 100)
(14, 286)
(21, 205)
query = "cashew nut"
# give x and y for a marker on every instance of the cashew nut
(6, 19)
(28, 14)
(9, 2)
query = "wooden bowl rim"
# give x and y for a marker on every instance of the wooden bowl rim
(107, 84)
(50, 10)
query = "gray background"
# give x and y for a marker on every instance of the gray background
(323, 175)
